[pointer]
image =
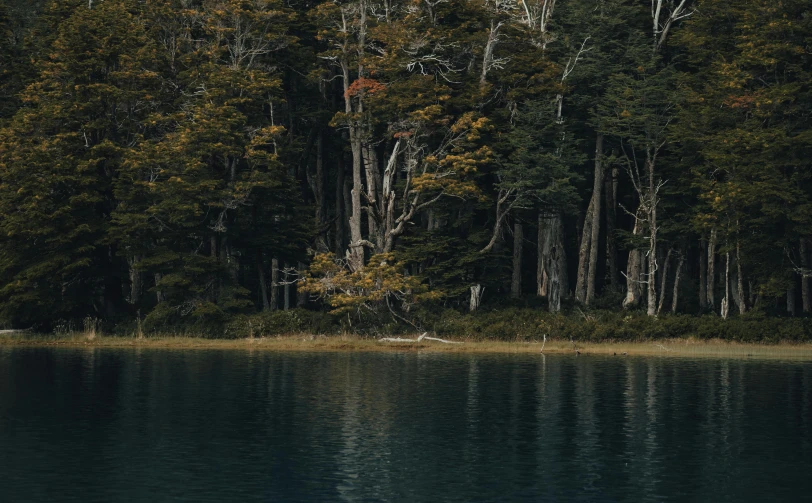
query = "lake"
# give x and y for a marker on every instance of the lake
(102, 424)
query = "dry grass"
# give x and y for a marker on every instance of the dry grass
(672, 347)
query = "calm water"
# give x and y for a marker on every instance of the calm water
(160, 425)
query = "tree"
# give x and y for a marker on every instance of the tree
(59, 157)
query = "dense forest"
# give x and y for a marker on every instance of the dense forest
(186, 163)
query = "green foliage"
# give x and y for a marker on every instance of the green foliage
(193, 163)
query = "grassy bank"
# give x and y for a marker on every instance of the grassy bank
(665, 347)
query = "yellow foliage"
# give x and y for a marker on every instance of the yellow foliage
(383, 280)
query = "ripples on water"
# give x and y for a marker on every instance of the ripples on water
(159, 425)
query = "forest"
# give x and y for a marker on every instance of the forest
(384, 165)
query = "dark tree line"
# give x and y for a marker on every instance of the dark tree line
(189, 160)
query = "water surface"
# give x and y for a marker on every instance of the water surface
(102, 424)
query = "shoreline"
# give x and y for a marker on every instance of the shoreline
(349, 343)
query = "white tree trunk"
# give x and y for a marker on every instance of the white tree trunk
(634, 269)
(476, 297)
(159, 295)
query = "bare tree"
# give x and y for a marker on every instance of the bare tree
(663, 21)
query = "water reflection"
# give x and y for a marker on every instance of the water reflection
(138, 425)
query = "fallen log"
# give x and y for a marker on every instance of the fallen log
(419, 339)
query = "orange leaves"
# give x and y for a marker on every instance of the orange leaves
(364, 85)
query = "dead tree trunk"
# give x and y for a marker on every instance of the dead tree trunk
(476, 297)
(596, 221)
(791, 298)
(634, 269)
(518, 241)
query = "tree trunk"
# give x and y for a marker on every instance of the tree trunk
(541, 273)
(136, 281)
(232, 264)
(652, 243)
(740, 293)
(583, 254)
(634, 269)
(556, 264)
(263, 287)
(373, 182)
(301, 295)
(703, 274)
(217, 283)
(806, 298)
(476, 297)
(664, 280)
(320, 196)
(791, 298)
(675, 295)
(753, 293)
(610, 189)
(596, 221)
(159, 295)
(274, 302)
(341, 215)
(711, 267)
(726, 300)
(355, 254)
(286, 286)
(518, 241)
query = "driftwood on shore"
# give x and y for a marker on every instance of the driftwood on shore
(424, 336)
